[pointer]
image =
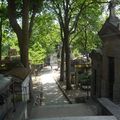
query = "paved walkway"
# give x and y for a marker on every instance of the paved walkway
(46, 91)
(53, 103)
(52, 95)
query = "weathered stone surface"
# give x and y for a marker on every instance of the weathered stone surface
(81, 118)
(61, 111)
(19, 72)
(4, 82)
(106, 70)
(110, 106)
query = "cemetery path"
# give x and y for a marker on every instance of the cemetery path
(45, 89)
(51, 102)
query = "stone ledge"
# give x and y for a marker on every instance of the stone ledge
(64, 93)
(110, 107)
(80, 118)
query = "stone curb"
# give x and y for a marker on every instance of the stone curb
(64, 93)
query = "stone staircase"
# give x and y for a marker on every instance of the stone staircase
(66, 112)
(80, 118)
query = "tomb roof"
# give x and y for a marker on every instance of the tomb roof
(110, 28)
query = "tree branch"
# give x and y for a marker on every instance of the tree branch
(82, 7)
(86, 39)
(13, 17)
(77, 18)
(32, 22)
(61, 32)
(58, 13)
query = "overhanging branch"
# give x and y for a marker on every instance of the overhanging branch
(32, 22)
(13, 17)
(77, 18)
(82, 7)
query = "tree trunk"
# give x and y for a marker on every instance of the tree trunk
(22, 33)
(67, 50)
(1, 39)
(24, 52)
(62, 63)
(23, 45)
(25, 33)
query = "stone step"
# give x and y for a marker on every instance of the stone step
(80, 118)
(65, 110)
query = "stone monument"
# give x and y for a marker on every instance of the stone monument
(106, 64)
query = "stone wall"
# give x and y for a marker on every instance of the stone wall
(111, 48)
(110, 80)
(97, 74)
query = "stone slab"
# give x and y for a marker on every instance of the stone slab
(62, 111)
(80, 118)
(19, 72)
(110, 106)
(4, 82)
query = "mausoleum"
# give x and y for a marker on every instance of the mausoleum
(106, 61)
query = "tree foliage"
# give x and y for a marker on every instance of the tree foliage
(85, 39)
(45, 37)
(69, 14)
(27, 11)
(3, 18)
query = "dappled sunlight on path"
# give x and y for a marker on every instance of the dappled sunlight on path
(53, 103)
(51, 93)
(47, 78)
(46, 89)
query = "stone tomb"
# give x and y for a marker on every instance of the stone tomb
(5, 96)
(106, 62)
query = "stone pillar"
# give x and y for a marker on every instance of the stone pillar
(104, 81)
(96, 74)
(116, 87)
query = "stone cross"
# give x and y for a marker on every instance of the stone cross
(111, 7)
